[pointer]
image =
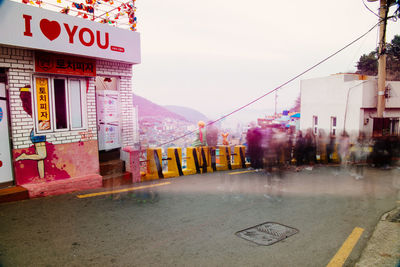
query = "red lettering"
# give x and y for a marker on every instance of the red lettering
(27, 19)
(70, 33)
(91, 41)
(105, 46)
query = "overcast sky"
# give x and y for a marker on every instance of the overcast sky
(216, 55)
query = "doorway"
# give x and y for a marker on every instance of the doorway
(6, 173)
(385, 126)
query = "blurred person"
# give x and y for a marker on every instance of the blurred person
(289, 146)
(380, 152)
(309, 147)
(269, 150)
(212, 134)
(330, 148)
(395, 144)
(359, 155)
(344, 146)
(255, 152)
(321, 153)
(212, 141)
(280, 141)
(391, 142)
(299, 150)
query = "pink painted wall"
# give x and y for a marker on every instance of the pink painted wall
(63, 161)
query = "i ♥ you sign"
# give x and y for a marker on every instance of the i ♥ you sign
(37, 28)
(86, 36)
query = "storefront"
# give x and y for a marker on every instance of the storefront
(50, 63)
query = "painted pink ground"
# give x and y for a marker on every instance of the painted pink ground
(64, 161)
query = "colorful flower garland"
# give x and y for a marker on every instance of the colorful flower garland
(88, 8)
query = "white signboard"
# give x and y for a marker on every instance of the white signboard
(38, 28)
(5, 156)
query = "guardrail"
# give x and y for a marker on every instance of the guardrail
(198, 160)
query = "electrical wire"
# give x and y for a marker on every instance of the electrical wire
(280, 86)
(370, 9)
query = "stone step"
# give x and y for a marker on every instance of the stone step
(116, 166)
(113, 154)
(13, 193)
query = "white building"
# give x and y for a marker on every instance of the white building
(348, 102)
(53, 68)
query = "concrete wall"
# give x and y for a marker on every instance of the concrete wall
(327, 97)
(394, 95)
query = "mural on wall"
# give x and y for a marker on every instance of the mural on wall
(40, 152)
(45, 162)
(63, 161)
(38, 141)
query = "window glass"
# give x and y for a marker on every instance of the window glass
(76, 103)
(60, 104)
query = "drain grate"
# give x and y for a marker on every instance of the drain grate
(267, 233)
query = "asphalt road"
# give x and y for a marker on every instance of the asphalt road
(193, 220)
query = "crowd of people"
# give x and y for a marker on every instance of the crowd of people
(277, 148)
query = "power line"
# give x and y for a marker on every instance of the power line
(280, 86)
(370, 9)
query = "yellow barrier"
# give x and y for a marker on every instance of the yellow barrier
(174, 155)
(224, 158)
(154, 164)
(198, 160)
(213, 158)
(204, 159)
(192, 161)
(239, 159)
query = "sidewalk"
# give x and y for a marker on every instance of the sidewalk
(383, 249)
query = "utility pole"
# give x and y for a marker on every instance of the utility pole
(382, 58)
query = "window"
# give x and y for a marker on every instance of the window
(333, 125)
(76, 105)
(59, 104)
(315, 125)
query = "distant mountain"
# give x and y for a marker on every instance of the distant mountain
(148, 109)
(190, 114)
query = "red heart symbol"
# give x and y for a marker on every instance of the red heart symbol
(51, 29)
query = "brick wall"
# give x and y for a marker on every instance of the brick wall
(19, 63)
(20, 67)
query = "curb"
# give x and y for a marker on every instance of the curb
(383, 248)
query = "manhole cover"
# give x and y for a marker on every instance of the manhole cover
(267, 233)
